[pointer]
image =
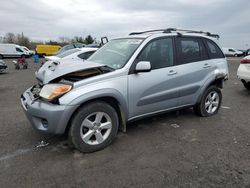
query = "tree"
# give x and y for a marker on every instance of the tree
(10, 38)
(78, 39)
(88, 40)
(51, 42)
(22, 40)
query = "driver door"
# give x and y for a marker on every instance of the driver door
(156, 90)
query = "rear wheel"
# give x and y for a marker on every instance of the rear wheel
(93, 127)
(247, 85)
(210, 102)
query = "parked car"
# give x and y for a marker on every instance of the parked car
(232, 52)
(46, 50)
(243, 72)
(76, 53)
(30, 52)
(3, 65)
(247, 52)
(69, 47)
(12, 51)
(140, 75)
(94, 45)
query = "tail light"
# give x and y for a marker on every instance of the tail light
(245, 61)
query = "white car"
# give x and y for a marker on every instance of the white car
(232, 52)
(12, 51)
(30, 52)
(243, 72)
(76, 53)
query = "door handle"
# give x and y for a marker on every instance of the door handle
(172, 72)
(206, 65)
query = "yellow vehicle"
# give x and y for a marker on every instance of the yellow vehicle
(43, 49)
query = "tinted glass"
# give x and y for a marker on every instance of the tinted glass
(213, 50)
(85, 55)
(79, 45)
(159, 53)
(190, 50)
(18, 50)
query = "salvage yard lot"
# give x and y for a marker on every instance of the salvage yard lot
(176, 149)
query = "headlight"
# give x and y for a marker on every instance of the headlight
(52, 91)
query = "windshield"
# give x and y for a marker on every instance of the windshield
(26, 49)
(116, 53)
(68, 52)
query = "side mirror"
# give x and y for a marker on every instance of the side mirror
(143, 66)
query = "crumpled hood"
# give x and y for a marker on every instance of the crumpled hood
(55, 69)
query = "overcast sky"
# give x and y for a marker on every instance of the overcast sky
(51, 19)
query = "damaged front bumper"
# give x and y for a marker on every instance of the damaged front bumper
(45, 116)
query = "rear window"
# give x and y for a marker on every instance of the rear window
(213, 50)
(85, 55)
(190, 50)
(68, 52)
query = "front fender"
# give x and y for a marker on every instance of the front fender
(100, 93)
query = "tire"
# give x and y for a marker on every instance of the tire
(247, 85)
(1, 56)
(89, 137)
(210, 102)
(22, 56)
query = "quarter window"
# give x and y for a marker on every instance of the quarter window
(190, 50)
(213, 50)
(159, 53)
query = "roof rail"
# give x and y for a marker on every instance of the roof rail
(170, 30)
(149, 31)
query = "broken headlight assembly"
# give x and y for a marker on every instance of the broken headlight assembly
(50, 92)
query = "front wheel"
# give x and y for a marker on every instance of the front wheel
(93, 127)
(210, 102)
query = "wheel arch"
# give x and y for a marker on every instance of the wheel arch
(113, 101)
(218, 81)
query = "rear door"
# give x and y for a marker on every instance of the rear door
(153, 91)
(193, 68)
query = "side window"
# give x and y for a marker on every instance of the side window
(214, 51)
(159, 53)
(190, 50)
(18, 50)
(69, 47)
(85, 55)
(79, 45)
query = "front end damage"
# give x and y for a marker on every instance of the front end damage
(40, 102)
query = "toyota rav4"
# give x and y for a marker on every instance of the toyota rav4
(143, 74)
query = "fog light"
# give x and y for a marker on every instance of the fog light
(45, 123)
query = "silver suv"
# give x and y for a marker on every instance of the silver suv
(143, 74)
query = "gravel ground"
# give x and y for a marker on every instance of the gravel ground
(176, 149)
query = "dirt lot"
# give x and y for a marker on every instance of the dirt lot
(176, 149)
